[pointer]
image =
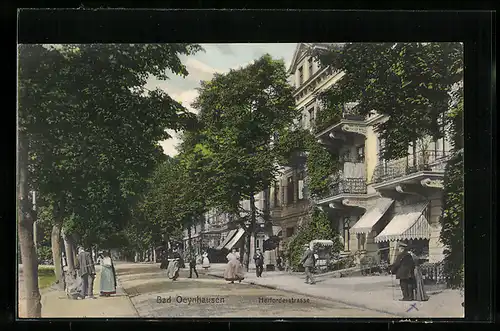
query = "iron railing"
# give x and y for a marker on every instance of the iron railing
(428, 160)
(349, 112)
(433, 273)
(347, 186)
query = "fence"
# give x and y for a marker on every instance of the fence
(433, 273)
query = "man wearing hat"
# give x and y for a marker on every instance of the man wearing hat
(308, 261)
(403, 267)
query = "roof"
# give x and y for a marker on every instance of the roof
(301, 49)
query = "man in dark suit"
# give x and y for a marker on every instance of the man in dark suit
(86, 270)
(403, 267)
(259, 262)
(308, 261)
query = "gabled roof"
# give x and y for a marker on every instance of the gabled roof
(303, 47)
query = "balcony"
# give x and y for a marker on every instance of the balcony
(344, 188)
(411, 169)
(338, 127)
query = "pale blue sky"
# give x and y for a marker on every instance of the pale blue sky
(216, 58)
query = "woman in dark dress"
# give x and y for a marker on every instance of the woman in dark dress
(419, 293)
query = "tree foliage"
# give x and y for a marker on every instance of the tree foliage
(318, 227)
(409, 82)
(240, 112)
(94, 128)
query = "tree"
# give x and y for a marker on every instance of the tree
(240, 112)
(317, 227)
(85, 117)
(452, 218)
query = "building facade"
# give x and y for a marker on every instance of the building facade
(373, 203)
(290, 202)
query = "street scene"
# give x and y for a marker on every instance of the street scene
(240, 180)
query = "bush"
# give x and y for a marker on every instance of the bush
(316, 228)
(44, 253)
(452, 222)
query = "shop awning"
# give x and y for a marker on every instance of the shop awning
(372, 216)
(235, 239)
(409, 223)
(276, 230)
(229, 236)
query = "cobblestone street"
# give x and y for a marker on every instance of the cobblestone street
(144, 283)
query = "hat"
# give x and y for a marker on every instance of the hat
(306, 245)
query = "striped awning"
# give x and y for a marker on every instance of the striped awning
(372, 216)
(235, 239)
(229, 236)
(410, 223)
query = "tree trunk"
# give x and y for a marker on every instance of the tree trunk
(56, 253)
(190, 246)
(68, 246)
(25, 233)
(253, 221)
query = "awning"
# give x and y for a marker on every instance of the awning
(235, 239)
(409, 223)
(372, 216)
(229, 236)
(276, 230)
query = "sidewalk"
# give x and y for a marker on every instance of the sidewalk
(55, 303)
(378, 293)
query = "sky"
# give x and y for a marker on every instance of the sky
(217, 58)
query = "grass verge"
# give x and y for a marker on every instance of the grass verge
(46, 277)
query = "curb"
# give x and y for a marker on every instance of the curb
(273, 287)
(127, 294)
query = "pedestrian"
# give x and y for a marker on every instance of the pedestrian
(419, 293)
(86, 270)
(259, 262)
(173, 266)
(234, 269)
(308, 261)
(205, 262)
(108, 275)
(192, 265)
(279, 262)
(404, 268)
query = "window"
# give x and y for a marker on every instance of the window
(311, 116)
(289, 232)
(290, 191)
(360, 153)
(276, 193)
(301, 186)
(301, 75)
(310, 62)
(347, 235)
(257, 243)
(427, 212)
(361, 241)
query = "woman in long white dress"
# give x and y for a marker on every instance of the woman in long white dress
(205, 261)
(234, 270)
(108, 276)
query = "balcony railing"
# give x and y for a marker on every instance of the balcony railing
(347, 186)
(428, 160)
